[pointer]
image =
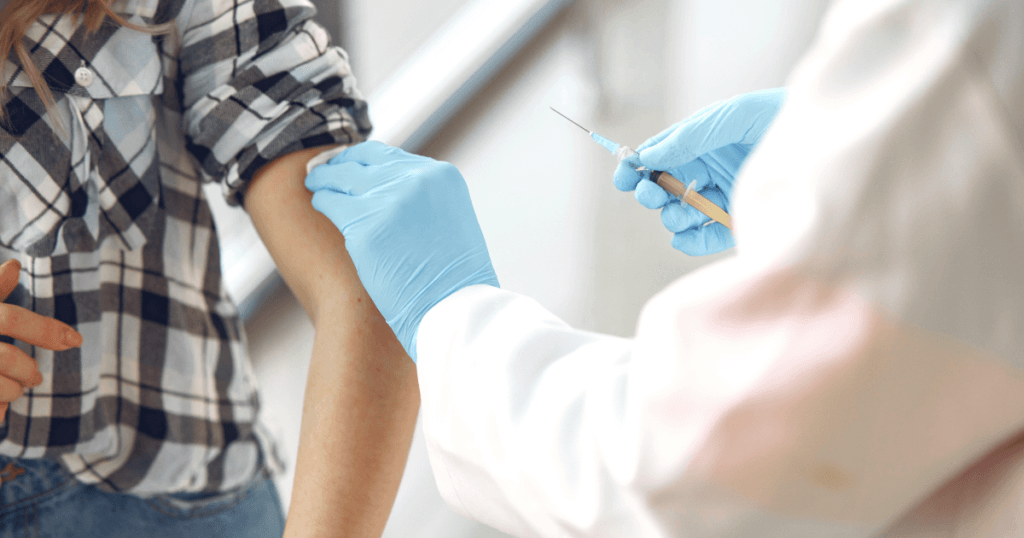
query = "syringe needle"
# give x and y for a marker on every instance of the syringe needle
(567, 117)
(662, 179)
(607, 144)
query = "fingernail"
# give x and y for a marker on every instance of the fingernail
(72, 338)
(37, 380)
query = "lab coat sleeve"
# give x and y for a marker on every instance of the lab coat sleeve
(517, 402)
(858, 356)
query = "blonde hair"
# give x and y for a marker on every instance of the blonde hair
(19, 15)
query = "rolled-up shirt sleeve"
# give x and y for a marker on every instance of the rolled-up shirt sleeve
(260, 79)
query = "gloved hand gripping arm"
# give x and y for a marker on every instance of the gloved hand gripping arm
(409, 227)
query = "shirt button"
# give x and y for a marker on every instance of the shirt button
(83, 76)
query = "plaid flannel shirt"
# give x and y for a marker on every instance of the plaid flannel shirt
(101, 202)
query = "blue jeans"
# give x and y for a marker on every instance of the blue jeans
(45, 501)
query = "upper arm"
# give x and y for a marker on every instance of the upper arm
(306, 246)
(361, 398)
(262, 91)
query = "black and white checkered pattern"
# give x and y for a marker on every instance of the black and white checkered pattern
(101, 202)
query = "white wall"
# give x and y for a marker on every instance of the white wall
(380, 34)
(716, 49)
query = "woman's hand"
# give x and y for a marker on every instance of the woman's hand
(17, 370)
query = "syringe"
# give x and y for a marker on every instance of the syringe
(663, 179)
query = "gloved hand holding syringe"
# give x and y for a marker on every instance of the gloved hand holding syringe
(704, 152)
(686, 194)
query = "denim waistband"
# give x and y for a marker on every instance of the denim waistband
(26, 480)
(40, 498)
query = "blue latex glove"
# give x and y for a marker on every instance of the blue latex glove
(709, 147)
(409, 227)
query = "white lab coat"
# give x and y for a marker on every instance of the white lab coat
(857, 369)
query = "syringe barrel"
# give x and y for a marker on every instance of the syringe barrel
(692, 197)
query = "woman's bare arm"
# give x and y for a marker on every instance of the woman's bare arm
(361, 395)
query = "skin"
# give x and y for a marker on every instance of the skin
(362, 395)
(18, 371)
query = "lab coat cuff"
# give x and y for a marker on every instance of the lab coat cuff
(444, 320)
(441, 327)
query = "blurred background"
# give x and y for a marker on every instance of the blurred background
(470, 82)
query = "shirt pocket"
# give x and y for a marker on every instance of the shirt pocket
(66, 180)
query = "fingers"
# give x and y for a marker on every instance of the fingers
(32, 328)
(341, 208)
(9, 273)
(690, 140)
(658, 137)
(723, 166)
(16, 365)
(651, 196)
(17, 372)
(366, 166)
(740, 120)
(704, 240)
(695, 170)
(373, 153)
(10, 390)
(328, 200)
(29, 327)
(678, 217)
(626, 178)
(691, 235)
(350, 178)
